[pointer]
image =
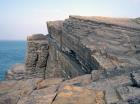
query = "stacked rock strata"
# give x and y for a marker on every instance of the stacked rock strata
(94, 43)
(37, 55)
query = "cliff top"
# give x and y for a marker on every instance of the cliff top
(124, 22)
(55, 24)
(36, 37)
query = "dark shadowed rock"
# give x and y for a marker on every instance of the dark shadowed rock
(135, 79)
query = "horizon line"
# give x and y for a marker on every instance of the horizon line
(13, 40)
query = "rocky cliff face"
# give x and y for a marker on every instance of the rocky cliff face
(83, 60)
(94, 43)
(37, 55)
(79, 45)
(36, 59)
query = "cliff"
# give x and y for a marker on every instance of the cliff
(83, 60)
(79, 45)
(95, 43)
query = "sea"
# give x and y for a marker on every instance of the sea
(11, 52)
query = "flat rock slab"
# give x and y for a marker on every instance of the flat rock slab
(41, 96)
(79, 95)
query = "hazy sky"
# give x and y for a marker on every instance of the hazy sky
(19, 18)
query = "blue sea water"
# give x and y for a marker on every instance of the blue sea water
(11, 52)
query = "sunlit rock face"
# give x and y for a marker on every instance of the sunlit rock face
(78, 95)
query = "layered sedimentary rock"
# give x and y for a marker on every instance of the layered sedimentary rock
(35, 61)
(37, 55)
(79, 45)
(94, 43)
(62, 62)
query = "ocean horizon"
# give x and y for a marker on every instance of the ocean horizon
(11, 52)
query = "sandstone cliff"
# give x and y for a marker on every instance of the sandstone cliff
(83, 60)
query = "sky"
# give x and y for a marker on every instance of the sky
(19, 18)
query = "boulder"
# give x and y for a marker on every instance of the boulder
(18, 71)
